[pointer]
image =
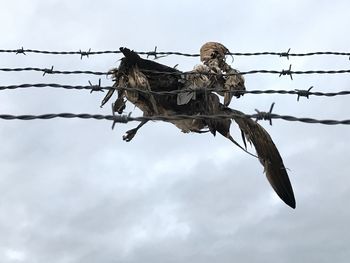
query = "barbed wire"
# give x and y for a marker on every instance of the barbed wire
(299, 92)
(158, 54)
(260, 115)
(282, 72)
(91, 87)
(52, 71)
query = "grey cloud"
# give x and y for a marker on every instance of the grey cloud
(73, 191)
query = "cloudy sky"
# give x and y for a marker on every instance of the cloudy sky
(73, 191)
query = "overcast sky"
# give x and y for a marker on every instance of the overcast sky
(74, 191)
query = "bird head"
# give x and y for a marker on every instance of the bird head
(213, 51)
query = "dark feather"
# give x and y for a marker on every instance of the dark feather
(269, 157)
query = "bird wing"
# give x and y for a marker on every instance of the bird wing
(268, 155)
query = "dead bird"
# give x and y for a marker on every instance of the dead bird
(138, 80)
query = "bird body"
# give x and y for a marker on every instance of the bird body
(137, 80)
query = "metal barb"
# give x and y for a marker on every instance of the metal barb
(96, 87)
(285, 54)
(48, 71)
(119, 119)
(262, 115)
(287, 72)
(153, 53)
(84, 53)
(20, 51)
(303, 92)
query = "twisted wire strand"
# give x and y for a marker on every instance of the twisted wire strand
(263, 71)
(158, 54)
(91, 87)
(127, 118)
(52, 71)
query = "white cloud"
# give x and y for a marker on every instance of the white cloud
(13, 255)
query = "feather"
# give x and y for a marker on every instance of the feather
(269, 157)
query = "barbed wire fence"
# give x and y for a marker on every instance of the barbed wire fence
(159, 54)
(259, 115)
(125, 118)
(97, 87)
(282, 72)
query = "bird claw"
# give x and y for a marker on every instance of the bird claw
(129, 135)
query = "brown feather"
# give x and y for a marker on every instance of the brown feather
(269, 157)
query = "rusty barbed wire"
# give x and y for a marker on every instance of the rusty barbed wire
(159, 54)
(260, 115)
(299, 92)
(282, 72)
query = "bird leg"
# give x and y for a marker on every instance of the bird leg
(129, 135)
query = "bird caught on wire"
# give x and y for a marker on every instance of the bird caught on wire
(138, 80)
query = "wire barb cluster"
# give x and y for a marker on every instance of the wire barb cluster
(262, 115)
(285, 54)
(48, 71)
(304, 93)
(96, 87)
(85, 53)
(287, 72)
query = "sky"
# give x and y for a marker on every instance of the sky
(73, 191)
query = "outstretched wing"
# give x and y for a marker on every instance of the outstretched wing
(269, 157)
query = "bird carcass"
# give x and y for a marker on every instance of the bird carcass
(159, 90)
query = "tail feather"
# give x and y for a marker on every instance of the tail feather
(269, 157)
